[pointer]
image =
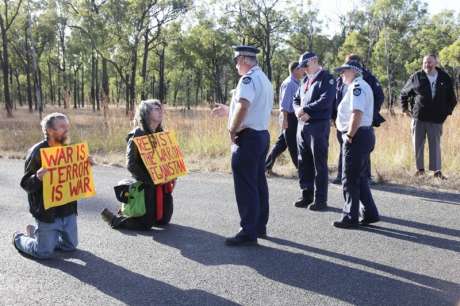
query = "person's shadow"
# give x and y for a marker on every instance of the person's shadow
(310, 273)
(126, 286)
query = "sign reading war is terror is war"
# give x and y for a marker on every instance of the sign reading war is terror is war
(69, 177)
(161, 156)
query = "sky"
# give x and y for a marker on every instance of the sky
(331, 9)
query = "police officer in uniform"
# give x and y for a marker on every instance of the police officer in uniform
(249, 116)
(354, 121)
(287, 138)
(313, 107)
(377, 118)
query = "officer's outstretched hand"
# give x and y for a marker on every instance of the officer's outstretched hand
(407, 113)
(219, 110)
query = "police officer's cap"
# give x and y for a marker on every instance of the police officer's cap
(354, 65)
(244, 50)
(306, 58)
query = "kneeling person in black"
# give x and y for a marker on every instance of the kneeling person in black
(148, 120)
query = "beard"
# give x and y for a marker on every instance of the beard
(64, 139)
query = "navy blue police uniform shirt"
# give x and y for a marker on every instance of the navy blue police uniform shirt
(318, 100)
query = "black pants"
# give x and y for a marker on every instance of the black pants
(251, 189)
(339, 162)
(286, 140)
(355, 180)
(144, 222)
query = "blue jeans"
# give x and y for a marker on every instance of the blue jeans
(48, 237)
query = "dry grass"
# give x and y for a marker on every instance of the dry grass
(206, 145)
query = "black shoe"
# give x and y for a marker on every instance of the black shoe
(240, 240)
(318, 207)
(345, 223)
(337, 181)
(107, 216)
(262, 235)
(305, 200)
(367, 221)
(439, 175)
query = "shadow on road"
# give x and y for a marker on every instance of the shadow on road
(313, 274)
(415, 237)
(126, 286)
(431, 196)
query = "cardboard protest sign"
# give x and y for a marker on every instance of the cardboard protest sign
(161, 156)
(69, 177)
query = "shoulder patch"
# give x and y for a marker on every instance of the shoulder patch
(356, 91)
(331, 81)
(246, 80)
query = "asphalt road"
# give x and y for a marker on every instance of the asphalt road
(410, 258)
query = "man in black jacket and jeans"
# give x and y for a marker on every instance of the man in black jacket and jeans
(433, 96)
(57, 226)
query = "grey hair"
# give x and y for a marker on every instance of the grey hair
(49, 121)
(143, 112)
(250, 60)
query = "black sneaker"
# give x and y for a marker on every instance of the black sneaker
(262, 235)
(367, 221)
(345, 223)
(107, 216)
(318, 207)
(240, 240)
(305, 200)
(439, 175)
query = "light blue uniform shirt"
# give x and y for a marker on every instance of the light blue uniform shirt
(359, 96)
(257, 89)
(288, 89)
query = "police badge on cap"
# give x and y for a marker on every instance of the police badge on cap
(306, 58)
(244, 50)
(354, 65)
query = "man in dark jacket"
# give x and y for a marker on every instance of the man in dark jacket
(313, 108)
(57, 226)
(433, 99)
(377, 118)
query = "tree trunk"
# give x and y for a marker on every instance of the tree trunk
(82, 95)
(19, 88)
(98, 93)
(75, 89)
(93, 81)
(5, 69)
(132, 83)
(144, 94)
(162, 91)
(50, 80)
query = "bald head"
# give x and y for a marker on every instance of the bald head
(429, 63)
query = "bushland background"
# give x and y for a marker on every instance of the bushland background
(95, 60)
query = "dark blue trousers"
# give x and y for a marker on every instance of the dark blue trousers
(313, 146)
(251, 189)
(286, 140)
(355, 180)
(339, 162)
